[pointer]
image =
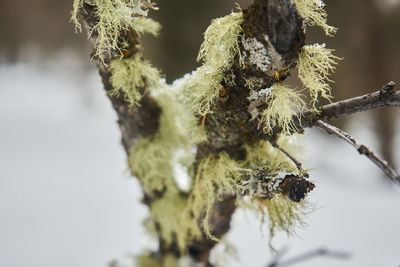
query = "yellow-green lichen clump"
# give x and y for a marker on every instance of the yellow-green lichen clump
(215, 178)
(217, 52)
(283, 104)
(129, 75)
(280, 213)
(151, 158)
(114, 18)
(264, 155)
(315, 64)
(313, 12)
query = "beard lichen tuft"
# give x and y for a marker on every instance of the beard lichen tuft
(147, 259)
(166, 214)
(129, 75)
(315, 64)
(114, 19)
(150, 159)
(217, 52)
(283, 104)
(151, 259)
(313, 12)
(280, 213)
(264, 155)
(215, 178)
(221, 44)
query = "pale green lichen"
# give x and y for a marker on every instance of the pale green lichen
(280, 213)
(220, 44)
(166, 213)
(175, 224)
(283, 104)
(217, 52)
(215, 178)
(150, 158)
(77, 4)
(264, 155)
(129, 75)
(315, 64)
(313, 12)
(149, 259)
(146, 259)
(114, 19)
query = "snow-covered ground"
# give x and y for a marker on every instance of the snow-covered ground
(66, 198)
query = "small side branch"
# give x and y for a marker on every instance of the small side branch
(287, 154)
(385, 97)
(307, 256)
(388, 96)
(362, 149)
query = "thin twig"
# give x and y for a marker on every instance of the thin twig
(275, 261)
(388, 96)
(362, 149)
(287, 154)
(313, 254)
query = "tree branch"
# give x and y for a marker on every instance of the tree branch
(388, 96)
(362, 149)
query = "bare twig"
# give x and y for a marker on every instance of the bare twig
(287, 154)
(362, 149)
(309, 255)
(388, 96)
(276, 259)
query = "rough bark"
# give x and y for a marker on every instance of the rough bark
(277, 26)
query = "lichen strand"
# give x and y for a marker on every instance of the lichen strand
(150, 159)
(313, 12)
(315, 64)
(264, 155)
(216, 176)
(166, 214)
(221, 44)
(178, 128)
(77, 4)
(217, 52)
(280, 213)
(132, 74)
(283, 213)
(151, 259)
(114, 19)
(282, 105)
(146, 259)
